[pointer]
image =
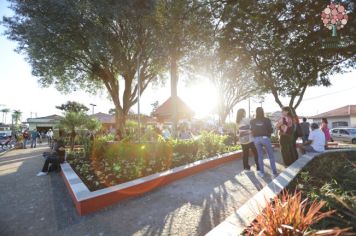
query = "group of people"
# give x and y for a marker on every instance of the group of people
(34, 135)
(255, 134)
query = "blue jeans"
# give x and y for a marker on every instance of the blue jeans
(33, 142)
(261, 142)
(24, 143)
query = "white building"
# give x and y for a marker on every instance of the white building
(340, 117)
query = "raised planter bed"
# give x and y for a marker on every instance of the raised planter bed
(243, 217)
(87, 201)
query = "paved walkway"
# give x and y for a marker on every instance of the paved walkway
(31, 205)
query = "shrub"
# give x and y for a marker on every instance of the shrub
(290, 215)
(211, 144)
(118, 162)
(331, 178)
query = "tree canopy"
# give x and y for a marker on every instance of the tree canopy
(282, 40)
(90, 44)
(72, 106)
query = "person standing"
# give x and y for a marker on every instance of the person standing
(25, 136)
(50, 137)
(261, 128)
(286, 129)
(34, 135)
(305, 129)
(246, 139)
(324, 127)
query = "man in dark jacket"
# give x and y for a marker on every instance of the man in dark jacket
(56, 156)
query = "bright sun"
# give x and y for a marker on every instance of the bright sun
(201, 97)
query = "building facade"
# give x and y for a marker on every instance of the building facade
(340, 117)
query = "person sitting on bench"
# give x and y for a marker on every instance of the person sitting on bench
(316, 141)
(55, 157)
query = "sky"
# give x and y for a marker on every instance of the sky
(19, 90)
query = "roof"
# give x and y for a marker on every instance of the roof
(54, 116)
(51, 118)
(104, 118)
(165, 111)
(349, 110)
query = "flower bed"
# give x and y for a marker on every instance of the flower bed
(328, 180)
(328, 185)
(89, 201)
(109, 164)
(331, 177)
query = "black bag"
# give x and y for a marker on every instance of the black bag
(298, 131)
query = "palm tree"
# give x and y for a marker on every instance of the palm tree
(16, 115)
(71, 122)
(4, 113)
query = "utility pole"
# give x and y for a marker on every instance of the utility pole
(93, 105)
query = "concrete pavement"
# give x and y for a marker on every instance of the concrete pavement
(31, 205)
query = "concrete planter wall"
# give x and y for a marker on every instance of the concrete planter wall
(87, 202)
(236, 223)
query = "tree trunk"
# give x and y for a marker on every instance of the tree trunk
(72, 137)
(222, 117)
(120, 120)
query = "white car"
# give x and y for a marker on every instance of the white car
(344, 135)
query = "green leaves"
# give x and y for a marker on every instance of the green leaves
(119, 162)
(282, 42)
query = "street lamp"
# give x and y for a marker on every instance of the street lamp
(93, 105)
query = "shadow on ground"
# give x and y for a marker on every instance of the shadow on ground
(33, 205)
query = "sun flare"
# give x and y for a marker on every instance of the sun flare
(201, 97)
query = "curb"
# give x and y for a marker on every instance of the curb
(236, 223)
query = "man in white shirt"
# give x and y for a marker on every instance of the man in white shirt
(316, 140)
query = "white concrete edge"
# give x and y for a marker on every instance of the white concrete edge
(81, 192)
(236, 223)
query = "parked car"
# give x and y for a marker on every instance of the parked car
(344, 135)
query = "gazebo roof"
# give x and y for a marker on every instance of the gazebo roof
(165, 111)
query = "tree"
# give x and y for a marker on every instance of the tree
(92, 44)
(93, 124)
(182, 27)
(112, 111)
(232, 77)
(4, 113)
(73, 107)
(71, 122)
(283, 42)
(16, 115)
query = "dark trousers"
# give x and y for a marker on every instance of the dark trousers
(288, 149)
(50, 159)
(246, 152)
(305, 137)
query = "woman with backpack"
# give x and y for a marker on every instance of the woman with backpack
(261, 128)
(246, 139)
(286, 128)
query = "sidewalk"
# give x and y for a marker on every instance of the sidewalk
(33, 205)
